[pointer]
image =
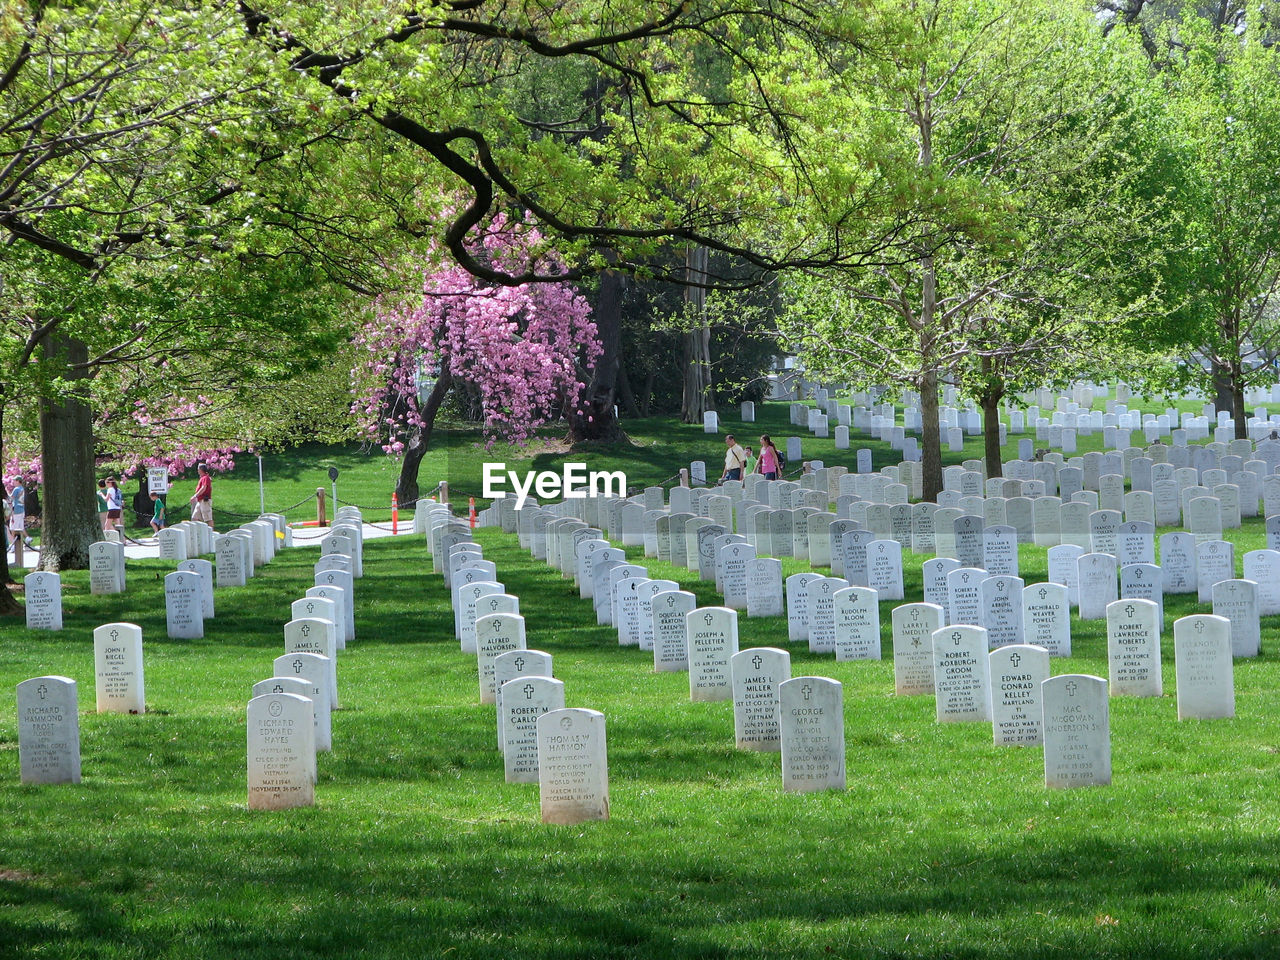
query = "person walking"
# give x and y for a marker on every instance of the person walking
(102, 506)
(202, 499)
(769, 464)
(157, 514)
(115, 507)
(18, 512)
(735, 458)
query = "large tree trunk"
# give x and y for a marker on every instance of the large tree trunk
(1237, 402)
(698, 395)
(419, 441)
(1222, 392)
(990, 397)
(70, 522)
(930, 437)
(930, 433)
(596, 418)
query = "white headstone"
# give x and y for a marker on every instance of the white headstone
(1046, 617)
(524, 699)
(1204, 672)
(281, 749)
(913, 627)
(43, 594)
(183, 607)
(811, 722)
(317, 670)
(1077, 732)
(1017, 715)
(117, 657)
(48, 730)
(517, 664)
(670, 630)
(1133, 648)
(757, 672)
(712, 638)
(961, 674)
(573, 766)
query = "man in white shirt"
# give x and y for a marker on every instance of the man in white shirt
(735, 459)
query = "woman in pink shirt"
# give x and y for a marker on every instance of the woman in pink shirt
(769, 465)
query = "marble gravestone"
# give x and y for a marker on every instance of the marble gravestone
(961, 674)
(1203, 669)
(117, 657)
(522, 702)
(573, 766)
(1077, 732)
(48, 730)
(764, 587)
(43, 595)
(281, 749)
(1133, 648)
(1017, 714)
(670, 630)
(183, 607)
(517, 665)
(496, 634)
(913, 627)
(811, 725)
(757, 673)
(712, 638)
(316, 670)
(856, 613)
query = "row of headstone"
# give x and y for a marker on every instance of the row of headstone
(561, 749)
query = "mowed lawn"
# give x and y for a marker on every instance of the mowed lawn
(942, 846)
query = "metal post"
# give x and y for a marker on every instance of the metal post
(262, 492)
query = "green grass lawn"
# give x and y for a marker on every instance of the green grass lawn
(942, 846)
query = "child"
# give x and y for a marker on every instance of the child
(157, 518)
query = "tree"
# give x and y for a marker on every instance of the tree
(523, 350)
(130, 232)
(1224, 108)
(995, 121)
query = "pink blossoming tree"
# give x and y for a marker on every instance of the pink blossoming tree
(524, 351)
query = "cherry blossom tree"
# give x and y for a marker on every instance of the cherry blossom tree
(524, 351)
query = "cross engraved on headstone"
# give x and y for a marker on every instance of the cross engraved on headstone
(1016, 659)
(915, 615)
(278, 688)
(1071, 688)
(306, 630)
(1043, 593)
(708, 618)
(297, 666)
(1199, 626)
(310, 607)
(528, 689)
(671, 601)
(964, 577)
(1138, 573)
(806, 690)
(956, 637)
(1128, 610)
(519, 663)
(115, 634)
(43, 691)
(756, 661)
